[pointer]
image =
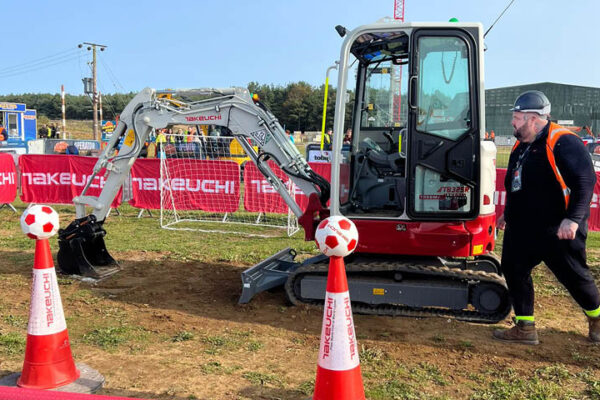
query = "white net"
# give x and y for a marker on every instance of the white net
(210, 185)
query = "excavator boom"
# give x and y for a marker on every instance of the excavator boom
(82, 249)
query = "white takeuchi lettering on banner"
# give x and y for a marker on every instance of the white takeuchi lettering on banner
(46, 316)
(186, 185)
(7, 178)
(61, 178)
(338, 350)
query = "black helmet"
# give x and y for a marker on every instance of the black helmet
(532, 101)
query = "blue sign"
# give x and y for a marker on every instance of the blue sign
(12, 107)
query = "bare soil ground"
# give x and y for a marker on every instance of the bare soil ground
(164, 329)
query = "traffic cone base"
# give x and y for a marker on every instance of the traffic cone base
(347, 385)
(48, 360)
(53, 365)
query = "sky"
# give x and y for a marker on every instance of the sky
(201, 43)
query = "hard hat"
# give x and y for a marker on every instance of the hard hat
(532, 101)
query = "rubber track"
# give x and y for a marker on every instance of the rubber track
(406, 311)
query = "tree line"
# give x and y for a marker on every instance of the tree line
(298, 106)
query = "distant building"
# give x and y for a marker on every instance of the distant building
(571, 105)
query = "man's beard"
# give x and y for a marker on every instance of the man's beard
(518, 133)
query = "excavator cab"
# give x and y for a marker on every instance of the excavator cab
(415, 153)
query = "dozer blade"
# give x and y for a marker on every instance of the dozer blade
(82, 250)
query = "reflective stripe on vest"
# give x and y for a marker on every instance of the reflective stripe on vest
(555, 132)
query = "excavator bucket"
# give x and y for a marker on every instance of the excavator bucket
(82, 250)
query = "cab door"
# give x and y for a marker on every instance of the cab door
(443, 126)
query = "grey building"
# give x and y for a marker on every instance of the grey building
(573, 105)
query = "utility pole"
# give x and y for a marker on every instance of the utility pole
(64, 120)
(100, 110)
(92, 47)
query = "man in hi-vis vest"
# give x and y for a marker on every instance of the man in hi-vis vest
(549, 185)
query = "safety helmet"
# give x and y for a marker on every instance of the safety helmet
(532, 101)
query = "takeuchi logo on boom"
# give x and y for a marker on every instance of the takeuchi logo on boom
(203, 118)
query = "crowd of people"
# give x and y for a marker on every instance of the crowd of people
(188, 142)
(49, 131)
(328, 137)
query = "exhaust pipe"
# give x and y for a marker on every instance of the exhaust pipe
(82, 250)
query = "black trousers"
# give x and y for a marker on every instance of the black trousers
(523, 249)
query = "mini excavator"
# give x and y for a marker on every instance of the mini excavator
(418, 180)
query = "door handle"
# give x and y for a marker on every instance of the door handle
(412, 88)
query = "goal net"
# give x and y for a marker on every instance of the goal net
(208, 184)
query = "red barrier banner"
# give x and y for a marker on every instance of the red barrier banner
(208, 185)
(145, 185)
(8, 178)
(594, 220)
(56, 179)
(84, 167)
(46, 179)
(259, 195)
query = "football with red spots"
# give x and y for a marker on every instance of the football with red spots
(39, 222)
(336, 236)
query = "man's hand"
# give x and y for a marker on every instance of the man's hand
(501, 223)
(567, 229)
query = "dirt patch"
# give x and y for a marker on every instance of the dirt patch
(173, 330)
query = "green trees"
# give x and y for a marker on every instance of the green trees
(298, 106)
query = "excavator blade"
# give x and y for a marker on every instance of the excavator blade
(82, 250)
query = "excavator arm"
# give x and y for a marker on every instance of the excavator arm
(82, 249)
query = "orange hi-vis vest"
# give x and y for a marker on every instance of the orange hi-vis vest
(555, 132)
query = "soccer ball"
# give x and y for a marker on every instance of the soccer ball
(39, 222)
(336, 236)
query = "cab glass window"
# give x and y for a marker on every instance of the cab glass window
(443, 93)
(384, 103)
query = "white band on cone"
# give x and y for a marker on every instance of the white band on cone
(339, 350)
(46, 316)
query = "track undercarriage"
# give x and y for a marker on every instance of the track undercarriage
(468, 290)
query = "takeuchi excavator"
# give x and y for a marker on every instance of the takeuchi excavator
(417, 180)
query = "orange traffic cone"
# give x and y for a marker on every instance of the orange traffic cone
(48, 361)
(338, 369)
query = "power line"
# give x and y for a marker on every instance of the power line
(111, 75)
(40, 61)
(500, 16)
(106, 102)
(37, 68)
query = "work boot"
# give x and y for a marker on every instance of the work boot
(523, 332)
(594, 334)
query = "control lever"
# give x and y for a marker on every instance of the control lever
(390, 138)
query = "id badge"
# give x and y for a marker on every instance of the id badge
(516, 180)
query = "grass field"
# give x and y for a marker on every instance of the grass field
(168, 326)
